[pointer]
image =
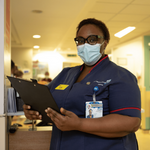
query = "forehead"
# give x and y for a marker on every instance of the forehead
(88, 30)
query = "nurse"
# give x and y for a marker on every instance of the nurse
(115, 104)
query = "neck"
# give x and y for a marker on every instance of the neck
(103, 55)
(88, 68)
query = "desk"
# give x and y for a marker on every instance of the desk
(23, 139)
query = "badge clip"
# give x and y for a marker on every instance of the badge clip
(95, 90)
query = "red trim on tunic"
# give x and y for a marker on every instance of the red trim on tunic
(125, 109)
(95, 64)
(81, 68)
(98, 62)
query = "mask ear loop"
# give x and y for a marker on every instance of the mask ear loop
(104, 48)
(103, 43)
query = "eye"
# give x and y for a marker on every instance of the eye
(92, 39)
(80, 41)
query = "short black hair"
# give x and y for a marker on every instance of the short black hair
(97, 23)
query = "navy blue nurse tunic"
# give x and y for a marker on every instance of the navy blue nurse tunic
(119, 93)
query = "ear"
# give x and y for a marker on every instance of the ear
(105, 44)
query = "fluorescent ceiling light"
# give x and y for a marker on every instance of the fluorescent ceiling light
(36, 46)
(37, 11)
(36, 36)
(124, 32)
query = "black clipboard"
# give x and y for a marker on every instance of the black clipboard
(36, 95)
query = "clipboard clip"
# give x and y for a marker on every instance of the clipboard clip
(34, 80)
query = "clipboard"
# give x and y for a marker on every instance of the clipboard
(36, 95)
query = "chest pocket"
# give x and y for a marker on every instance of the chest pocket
(101, 94)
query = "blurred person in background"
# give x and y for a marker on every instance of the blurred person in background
(18, 74)
(14, 68)
(47, 78)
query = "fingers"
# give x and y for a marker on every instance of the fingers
(55, 116)
(50, 112)
(65, 112)
(65, 121)
(31, 114)
(26, 106)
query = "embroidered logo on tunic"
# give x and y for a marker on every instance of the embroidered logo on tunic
(103, 82)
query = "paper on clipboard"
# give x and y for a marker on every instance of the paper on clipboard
(36, 95)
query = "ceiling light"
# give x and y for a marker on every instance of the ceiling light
(36, 46)
(36, 36)
(124, 32)
(149, 44)
(37, 11)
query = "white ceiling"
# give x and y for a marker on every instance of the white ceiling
(57, 24)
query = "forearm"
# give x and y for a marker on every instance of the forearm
(109, 126)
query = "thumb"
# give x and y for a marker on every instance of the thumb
(64, 111)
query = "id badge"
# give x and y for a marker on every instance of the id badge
(94, 109)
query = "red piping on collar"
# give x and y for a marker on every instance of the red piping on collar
(98, 62)
(95, 64)
(81, 68)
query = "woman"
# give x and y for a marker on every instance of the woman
(18, 74)
(116, 90)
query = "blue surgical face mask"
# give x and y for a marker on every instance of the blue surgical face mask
(90, 54)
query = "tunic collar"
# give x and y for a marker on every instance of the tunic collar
(95, 64)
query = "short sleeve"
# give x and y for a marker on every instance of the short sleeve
(124, 96)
